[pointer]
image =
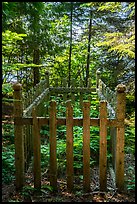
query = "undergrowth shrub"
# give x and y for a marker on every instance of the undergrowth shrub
(8, 164)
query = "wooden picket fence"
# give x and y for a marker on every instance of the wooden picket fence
(31, 142)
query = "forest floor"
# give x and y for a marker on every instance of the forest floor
(29, 194)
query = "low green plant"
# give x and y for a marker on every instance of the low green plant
(7, 89)
(45, 156)
(8, 166)
(13, 200)
(45, 188)
(131, 185)
(130, 140)
(8, 133)
(27, 191)
(130, 104)
(131, 181)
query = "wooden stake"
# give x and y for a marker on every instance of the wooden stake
(103, 146)
(37, 152)
(19, 137)
(120, 115)
(86, 146)
(53, 154)
(69, 144)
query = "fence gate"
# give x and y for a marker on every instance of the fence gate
(33, 123)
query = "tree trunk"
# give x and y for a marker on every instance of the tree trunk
(36, 59)
(88, 55)
(70, 50)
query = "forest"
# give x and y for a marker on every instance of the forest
(70, 41)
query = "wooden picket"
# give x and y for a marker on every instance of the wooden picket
(69, 145)
(37, 153)
(19, 138)
(120, 115)
(86, 146)
(103, 146)
(53, 154)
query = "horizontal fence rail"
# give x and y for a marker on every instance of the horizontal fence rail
(62, 121)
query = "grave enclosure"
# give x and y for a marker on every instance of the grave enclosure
(28, 121)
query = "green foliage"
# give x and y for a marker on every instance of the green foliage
(110, 6)
(45, 156)
(10, 50)
(8, 133)
(120, 43)
(8, 153)
(27, 191)
(34, 26)
(130, 140)
(10, 42)
(8, 165)
(7, 89)
(44, 188)
(130, 104)
(131, 182)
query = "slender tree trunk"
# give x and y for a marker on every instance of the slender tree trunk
(88, 55)
(70, 50)
(36, 59)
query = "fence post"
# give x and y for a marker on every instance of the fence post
(98, 73)
(19, 137)
(69, 144)
(37, 153)
(25, 147)
(86, 146)
(103, 146)
(120, 131)
(53, 144)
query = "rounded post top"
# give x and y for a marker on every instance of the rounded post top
(121, 88)
(17, 86)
